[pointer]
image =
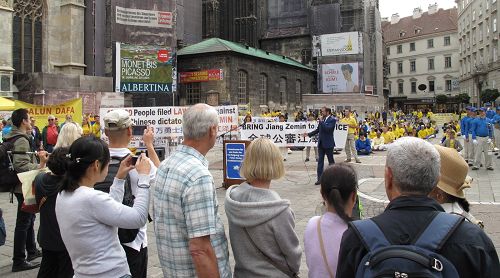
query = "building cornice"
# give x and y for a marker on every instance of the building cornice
(423, 37)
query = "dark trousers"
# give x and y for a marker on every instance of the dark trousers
(24, 234)
(321, 161)
(55, 264)
(137, 261)
(363, 152)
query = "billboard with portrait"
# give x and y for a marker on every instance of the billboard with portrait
(340, 78)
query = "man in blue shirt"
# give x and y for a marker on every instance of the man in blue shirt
(496, 125)
(464, 125)
(469, 147)
(482, 135)
(490, 113)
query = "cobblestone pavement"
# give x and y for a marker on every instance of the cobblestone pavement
(298, 186)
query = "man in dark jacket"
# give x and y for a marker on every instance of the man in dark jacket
(24, 235)
(326, 142)
(411, 172)
(37, 135)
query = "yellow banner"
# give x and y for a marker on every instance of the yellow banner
(41, 112)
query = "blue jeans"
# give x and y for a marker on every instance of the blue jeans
(321, 161)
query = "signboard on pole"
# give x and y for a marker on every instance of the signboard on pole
(143, 69)
(148, 18)
(291, 133)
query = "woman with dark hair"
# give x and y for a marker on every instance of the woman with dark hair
(89, 219)
(55, 258)
(323, 233)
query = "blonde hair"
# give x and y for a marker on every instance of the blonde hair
(68, 134)
(263, 161)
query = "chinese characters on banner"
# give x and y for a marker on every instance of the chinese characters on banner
(202, 76)
(291, 133)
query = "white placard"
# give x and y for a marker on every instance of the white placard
(148, 18)
(341, 44)
(291, 133)
(167, 121)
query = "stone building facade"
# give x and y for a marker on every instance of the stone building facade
(251, 76)
(478, 35)
(422, 56)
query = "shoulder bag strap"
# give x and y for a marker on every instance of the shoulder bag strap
(286, 271)
(438, 231)
(370, 234)
(322, 246)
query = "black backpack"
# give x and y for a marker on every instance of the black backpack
(125, 235)
(9, 179)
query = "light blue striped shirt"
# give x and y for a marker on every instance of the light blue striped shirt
(185, 206)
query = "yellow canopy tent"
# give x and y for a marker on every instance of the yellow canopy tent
(7, 104)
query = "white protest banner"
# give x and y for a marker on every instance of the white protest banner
(291, 133)
(148, 18)
(167, 121)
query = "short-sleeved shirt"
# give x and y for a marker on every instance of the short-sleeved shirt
(186, 207)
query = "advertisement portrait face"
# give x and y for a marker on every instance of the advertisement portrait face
(340, 78)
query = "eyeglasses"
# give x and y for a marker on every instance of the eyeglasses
(51, 119)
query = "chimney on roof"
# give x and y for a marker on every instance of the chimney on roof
(417, 13)
(395, 18)
(433, 8)
(385, 19)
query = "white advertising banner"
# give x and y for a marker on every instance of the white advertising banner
(167, 122)
(341, 44)
(148, 18)
(340, 78)
(291, 133)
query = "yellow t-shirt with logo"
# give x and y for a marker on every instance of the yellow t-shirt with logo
(350, 121)
(96, 129)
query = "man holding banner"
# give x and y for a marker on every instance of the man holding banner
(326, 143)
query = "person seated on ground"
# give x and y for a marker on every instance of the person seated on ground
(379, 142)
(451, 142)
(411, 173)
(422, 132)
(431, 132)
(259, 220)
(388, 135)
(323, 234)
(373, 133)
(453, 179)
(363, 145)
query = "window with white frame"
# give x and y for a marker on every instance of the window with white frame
(448, 85)
(430, 43)
(400, 87)
(413, 87)
(447, 62)
(430, 63)
(413, 67)
(400, 67)
(447, 40)
(400, 49)
(494, 25)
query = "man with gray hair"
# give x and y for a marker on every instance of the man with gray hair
(189, 231)
(411, 172)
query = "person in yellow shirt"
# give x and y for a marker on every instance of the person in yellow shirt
(96, 126)
(373, 133)
(86, 127)
(350, 145)
(420, 114)
(378, 143)
(388, 135)
(422, 133)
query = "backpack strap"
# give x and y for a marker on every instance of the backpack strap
(438, 231)
(370, 234)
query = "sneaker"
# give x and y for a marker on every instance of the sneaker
(347, 160)
(490, 168)
(307, 159)
(475, 168)
(35, 255)
(24, 265)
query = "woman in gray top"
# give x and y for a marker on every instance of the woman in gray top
(261, 224)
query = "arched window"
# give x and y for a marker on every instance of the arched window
(298, 91)
(242, 87)
(263, 89)
(283, 97)
(27, 36)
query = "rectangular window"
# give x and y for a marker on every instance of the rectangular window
(263, 89)
(430, 43)
(431, 86)
(447, 41)
(494, 25)
(283, 96)
(413, 87)
(412, 66)
(447, 62)
(4, 83)
(431, 64)
(400, 49)
(400, 67)
(400, 88)
(298, 91)
(193, 93)
(448, 85)
(388, 50)
(242, 87)
(412, 46)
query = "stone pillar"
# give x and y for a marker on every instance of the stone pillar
(6, 66)
(71, 31)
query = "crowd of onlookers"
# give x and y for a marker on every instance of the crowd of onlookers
(94, 206)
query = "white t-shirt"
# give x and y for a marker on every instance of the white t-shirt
(89, 221)
(141, 238)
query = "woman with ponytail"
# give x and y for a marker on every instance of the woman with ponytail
(89, 219)
(323, 234)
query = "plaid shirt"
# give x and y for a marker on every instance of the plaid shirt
(185, 207)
